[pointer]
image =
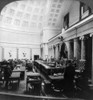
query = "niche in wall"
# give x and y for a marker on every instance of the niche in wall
(10, 53)
(36, 57)
(24, 53)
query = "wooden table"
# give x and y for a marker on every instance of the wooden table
(46, 69)
(19, 69)
(32, 74)
(33, 78)
(15, 76)
(56, 77)
(22, 72)
(57, 82)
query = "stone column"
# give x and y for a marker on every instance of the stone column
(17, 53)
(69, 49)
(60, 48)
(50, 51)
(77, 50)
(56, 52)
(91, 35)
(54, 49)
(1, 53)
(45, 51)
(82, 47)
(30, 53)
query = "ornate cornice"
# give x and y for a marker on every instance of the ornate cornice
(15, 31)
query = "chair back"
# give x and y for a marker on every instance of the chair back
(81, 65)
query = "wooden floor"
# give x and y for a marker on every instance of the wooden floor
(88, 94)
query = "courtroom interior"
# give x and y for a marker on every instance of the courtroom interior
(46, 49)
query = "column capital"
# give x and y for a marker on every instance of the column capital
(91, 34)
(44, 43)
(61, 38)
(85, 37)
(51, 46)
(54, 46)
(69, 41)
(76, 39)
(57, 44)
(82, 37)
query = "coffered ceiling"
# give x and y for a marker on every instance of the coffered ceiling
(34, 14)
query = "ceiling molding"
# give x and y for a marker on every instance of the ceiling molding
(55, 29)
(19, 43)
(20, 32)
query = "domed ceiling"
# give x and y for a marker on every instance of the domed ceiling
(32, 15)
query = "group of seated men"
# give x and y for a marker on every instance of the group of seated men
(6, 68)
(74, 70)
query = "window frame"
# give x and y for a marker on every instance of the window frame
(85, 11)
(66, 21)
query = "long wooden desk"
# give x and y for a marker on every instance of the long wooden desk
(21, 70)
(15, 76)
(56, 77)
(48, 70)
(32, 74)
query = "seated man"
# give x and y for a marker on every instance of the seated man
(7, 73)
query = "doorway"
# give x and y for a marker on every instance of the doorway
(36, 57)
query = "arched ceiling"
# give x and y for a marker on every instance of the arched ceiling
(25, 15)
(5, 2)
(34, 14)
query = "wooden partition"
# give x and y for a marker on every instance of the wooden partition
(8, 96)
(48, 70)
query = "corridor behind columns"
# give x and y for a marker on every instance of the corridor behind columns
(88, 55)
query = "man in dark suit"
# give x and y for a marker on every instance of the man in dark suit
(7, 73)
(69, 76)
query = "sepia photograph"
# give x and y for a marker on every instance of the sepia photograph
(46, 50)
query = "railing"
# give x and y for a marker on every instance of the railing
(8, 96)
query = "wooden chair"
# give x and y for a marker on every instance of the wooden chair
(15, 76)
(81, 65)
(2, 76)
(33, 80)
(81, 80)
